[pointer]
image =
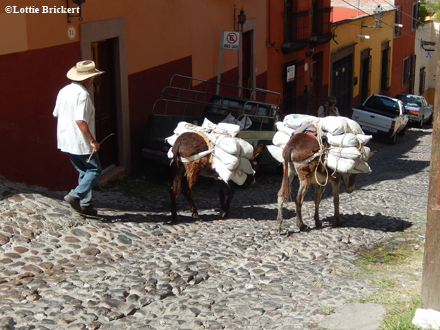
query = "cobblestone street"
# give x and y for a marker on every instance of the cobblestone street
(133, 269)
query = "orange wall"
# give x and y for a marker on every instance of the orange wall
(162, 38)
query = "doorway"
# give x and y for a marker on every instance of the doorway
(246, 64)
(109, 43)
(342, 76)
(364, 87)
(104, 91)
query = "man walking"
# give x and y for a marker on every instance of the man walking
(76, 133)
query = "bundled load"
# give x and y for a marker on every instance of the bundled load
(346, 151)
(230, 154)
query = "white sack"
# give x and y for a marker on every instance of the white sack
(334, 125)
(171, 139)
(361, 167)
(230, 161)
(280, 139)
(239, 177)
(229, 119)
(355, 128)
(343, 140)
(276, 152)
(346, 152)
(296, 120)
(365, 153)
(208, 125)
(228, 144)
(184, 127)
(245, 166)
(363, 139)
(221, 169)
(285, 129)
(341, 165)
(228, 129)
(246, 149)
(245, 122)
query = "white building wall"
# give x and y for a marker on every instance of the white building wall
(429, 32)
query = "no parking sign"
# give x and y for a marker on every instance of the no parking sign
(231, 40)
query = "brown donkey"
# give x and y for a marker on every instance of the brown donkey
(301, 154)
(187, 145)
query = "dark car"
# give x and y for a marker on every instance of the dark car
(420, 112)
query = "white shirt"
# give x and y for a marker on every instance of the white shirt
(74, 103)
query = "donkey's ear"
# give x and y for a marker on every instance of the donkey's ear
(258, 150)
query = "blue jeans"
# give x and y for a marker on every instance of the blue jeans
(89, 174)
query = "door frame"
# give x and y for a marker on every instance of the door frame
(113, 29)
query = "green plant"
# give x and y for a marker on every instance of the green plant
(395, 269)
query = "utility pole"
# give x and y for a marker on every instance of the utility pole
(430, 296)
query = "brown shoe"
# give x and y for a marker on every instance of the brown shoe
(89, 210)
(73, 202)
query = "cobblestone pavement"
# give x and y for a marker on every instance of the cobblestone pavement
(133, 269)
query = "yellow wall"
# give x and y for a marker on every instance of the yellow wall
(157, 32)
(346, 35)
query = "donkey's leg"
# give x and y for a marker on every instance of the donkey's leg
(318, 191)
(335, 188)
(188, 184)
(174, 189)
(222, 186)
(291, 173)
(304, 184)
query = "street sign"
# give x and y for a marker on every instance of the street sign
(231, 40)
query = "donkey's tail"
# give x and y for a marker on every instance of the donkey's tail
(286, 184)
(177, 177)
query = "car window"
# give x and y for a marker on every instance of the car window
(411, 101)
(384, 104)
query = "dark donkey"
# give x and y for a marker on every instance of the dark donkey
(301, 154)
(187, 145)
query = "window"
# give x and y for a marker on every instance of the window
(405, 71)
(296, 28)
(415, 15)
(422, 80)
(397, 21)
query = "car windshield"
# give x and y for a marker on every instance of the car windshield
(411, 101)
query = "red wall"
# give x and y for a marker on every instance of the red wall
(28, 133)
(38, 161)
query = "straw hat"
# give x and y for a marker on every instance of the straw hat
(83, 70)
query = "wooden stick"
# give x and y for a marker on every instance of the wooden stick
(88, 160)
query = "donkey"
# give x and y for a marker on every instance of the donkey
(301, 154)
(188, 145)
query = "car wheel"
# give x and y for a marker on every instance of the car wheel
(403, 131)
(420, 124)
(430, 120)
(392, 139)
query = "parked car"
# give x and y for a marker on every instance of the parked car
(382, 115)
(420, 112)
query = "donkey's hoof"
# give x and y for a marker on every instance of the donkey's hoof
(339, 224)
(195, 215)
(224, 214)
(175, 217)
(318, 224)
(304, 228)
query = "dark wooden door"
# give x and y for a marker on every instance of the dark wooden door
(246, 65)
(342, 86)
(105, 103)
